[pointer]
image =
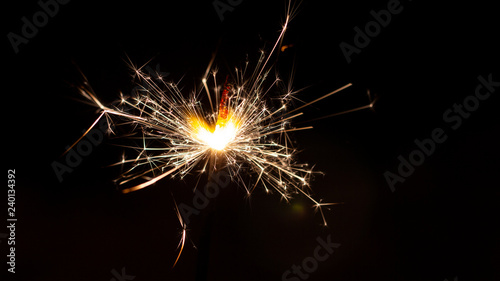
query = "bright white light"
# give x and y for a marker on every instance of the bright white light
(220, 137)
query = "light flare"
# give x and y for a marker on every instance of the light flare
(219, 137)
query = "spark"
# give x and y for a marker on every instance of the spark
(245, 134)
(182, 242)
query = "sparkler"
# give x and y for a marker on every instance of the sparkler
(243, 134)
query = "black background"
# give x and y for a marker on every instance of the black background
(441, 223)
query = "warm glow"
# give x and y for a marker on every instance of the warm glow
(219, 137)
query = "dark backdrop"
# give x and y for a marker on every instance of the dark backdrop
(440, 223)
